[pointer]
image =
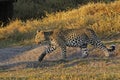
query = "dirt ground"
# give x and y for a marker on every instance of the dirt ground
(27, 56)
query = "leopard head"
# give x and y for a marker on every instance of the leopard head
(42, 37)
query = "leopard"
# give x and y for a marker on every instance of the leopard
(71, 38)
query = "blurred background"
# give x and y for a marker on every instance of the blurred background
(19, 19)
(32, 9)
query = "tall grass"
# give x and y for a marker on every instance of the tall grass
(101, 17)
(37, 9)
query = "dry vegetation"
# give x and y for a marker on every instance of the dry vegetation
(103, 18)
(37, 9)
(77, 70)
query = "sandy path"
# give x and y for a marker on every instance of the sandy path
(8, 53)
(27, 56)
(23, 55)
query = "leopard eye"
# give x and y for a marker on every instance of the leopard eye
(38, 31)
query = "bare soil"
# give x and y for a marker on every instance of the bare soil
(21, 57)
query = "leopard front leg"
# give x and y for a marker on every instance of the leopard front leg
(63, 48)
(42, 56)
(48, 50)
(62, 45)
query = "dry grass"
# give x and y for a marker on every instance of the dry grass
(103, 18)
(80, 69)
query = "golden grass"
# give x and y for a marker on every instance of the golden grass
(86, 69)
(103, 18)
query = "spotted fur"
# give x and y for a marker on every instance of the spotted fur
(71, 38)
